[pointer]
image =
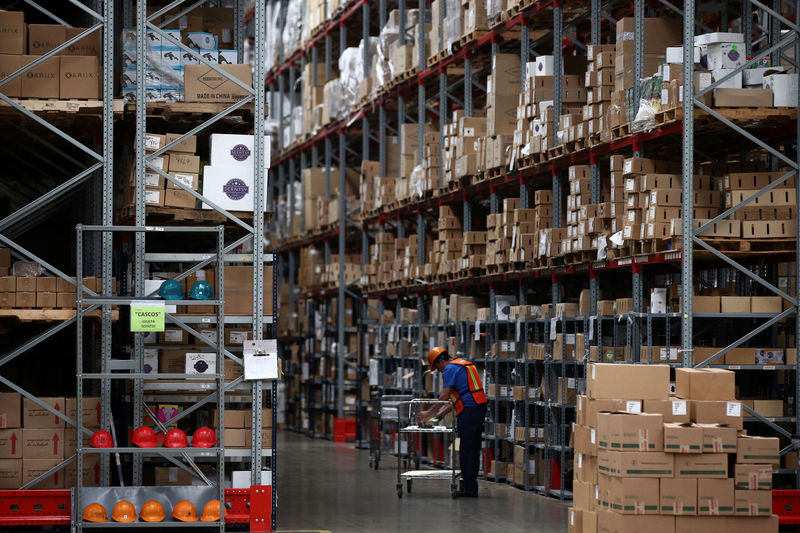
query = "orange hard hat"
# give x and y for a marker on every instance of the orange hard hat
(152, 511)
(204, 438)
(211, 511)
(94, 512)
(184, 511)
(101, 439)
(175, 438)
(124, 511)
(144, 437)
(435, 353)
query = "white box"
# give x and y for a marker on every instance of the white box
(229, 150)
(201, 40)
(734, 83)
(675, 54)
(530, 69)
(784, 89)
(769, 357)
(725, 55)
(754, 77)
(228, 57)
(212, 56)
(544, 66)
(718, 37)
(502, 306)
(150, 360)
(201, 363)
(231, 188)
(241, 478)
(188, 59)
(171, 56)
(658, 301)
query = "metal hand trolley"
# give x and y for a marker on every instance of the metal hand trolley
(382, 409)
(408, 427)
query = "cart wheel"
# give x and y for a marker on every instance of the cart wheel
(400, 490)
(408, 486)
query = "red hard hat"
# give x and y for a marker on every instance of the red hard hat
(204, 438)
(144, 437)
(175, 438)
(101, 439)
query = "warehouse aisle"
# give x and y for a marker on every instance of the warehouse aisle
(330, 487)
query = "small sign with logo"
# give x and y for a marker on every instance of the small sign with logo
(147, 316)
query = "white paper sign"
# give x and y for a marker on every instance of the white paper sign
(592, 435)
(591, 327)
(261, 359)
(679, 408)
(553, 324)
(518, 330)
(734, 409)
(477, 330)
(633, 407)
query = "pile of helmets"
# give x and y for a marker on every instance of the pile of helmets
(145, 437)
(172, 290)
(153, 511)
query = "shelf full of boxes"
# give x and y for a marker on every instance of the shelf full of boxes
(76, 62)
(607, 212)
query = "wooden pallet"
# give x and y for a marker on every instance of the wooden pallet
(752, 245)
(621, 131)
(471, 37)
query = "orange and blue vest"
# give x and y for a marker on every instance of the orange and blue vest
(470, 385)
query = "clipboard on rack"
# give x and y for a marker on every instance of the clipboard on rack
(260, 359)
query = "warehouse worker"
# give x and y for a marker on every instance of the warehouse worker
(462, 385)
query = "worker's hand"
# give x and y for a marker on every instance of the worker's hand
(423, 417)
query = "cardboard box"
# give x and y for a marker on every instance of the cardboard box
(678, 496)
(717, 412)
(202, 84)
(753, 503)
(191, 180)
(673, 410)
(171, 476)
(91, 472)
(239, 289)
(11, 443)
(173, 336)
(231, 188)
(91, 411)
(36, 417)
(707, 465)
(615, 381)
(640, 464)
(10, 403)
(741, 524)
(13, 35)
(10, 473)
(46, 300)
(33, 468)
(718, 439)
(187, 145)
(705, 384)
(768, 408)
(715, 497)
(641, 432)
(26, 300)
(699, 524)
(743, 97)
(763, 450)
(236, 438)
(88, 46)
(43, 443)
(753, 476)
(8, 65)
(41, 81)
(683, 438)
(706, 304)
(201, 363)
(80, 77)
(171, 361)
(179, 198)
(180, 162)
(638, 496)
(766, 304)
(44, 37)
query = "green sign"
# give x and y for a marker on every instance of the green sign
(147, 316)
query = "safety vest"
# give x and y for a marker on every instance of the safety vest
(475, 386)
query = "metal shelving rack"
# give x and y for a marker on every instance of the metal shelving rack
(563, 22)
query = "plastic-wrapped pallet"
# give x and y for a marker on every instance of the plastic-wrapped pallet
(164, 67)
(292, 30)
(351, 73)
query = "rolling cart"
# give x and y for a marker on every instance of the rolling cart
(407, 428)
(383, 409)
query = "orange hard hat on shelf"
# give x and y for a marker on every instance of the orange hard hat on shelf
(212, 511)
(434, 354)
(124, 511)
(152, 511)
(94, 512)
(184, 511)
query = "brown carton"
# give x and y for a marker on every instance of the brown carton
(639, 464)
(642, 523)
(88, 46)
(179, 198)
(171, 361)
(678, 496)
(633, 495)
(641, 382)
(763, 450)
(739, 524)
(41, 81)
(673, 410)
(180, 162)
(80, 77)
(36, 417)
(718, 439)
(203, 84)
(13, 35)
(43, 443)
(683, 438)
(8, 65)
(91, 472)
(33, 468)
(641, 432)
(172, 476)
(699, 524)
(65, 300)
(236, 438)
(188, 145)
(753, 503)
(46, 300)
(705, 384)
(574, 519)
(10, 473)
(11, 443)
(44, 37)
(26, 300)
(715, 497)
(717, 412)
(753, 476)
(707, 465)
(90, 412)
(10, 410)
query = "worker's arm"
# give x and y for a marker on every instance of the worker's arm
(427, 414)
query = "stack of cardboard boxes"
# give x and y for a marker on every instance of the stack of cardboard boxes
(73, 73)
(448, 248)
(500, 235)
(33, 440)
(646, 460)
(180, 162)
(599, 80)
(20, 292)
(501, 114)
(587, 223)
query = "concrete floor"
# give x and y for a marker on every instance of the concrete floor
(330, 487)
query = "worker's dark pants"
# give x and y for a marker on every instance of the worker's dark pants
(470, 428)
